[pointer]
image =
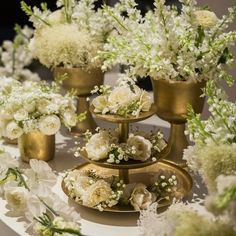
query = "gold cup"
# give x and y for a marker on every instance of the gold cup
(36, 145)
(172, 99)
(83, 82)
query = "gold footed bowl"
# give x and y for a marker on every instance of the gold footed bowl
(83, 82)
(143, 175)
(36, 145)
(172, 99)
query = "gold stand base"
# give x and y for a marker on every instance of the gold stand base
(177, 142)
(88, 123)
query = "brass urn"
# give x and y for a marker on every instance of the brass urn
(172, 99)
(83, 81)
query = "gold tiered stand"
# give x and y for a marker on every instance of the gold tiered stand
(123, 129)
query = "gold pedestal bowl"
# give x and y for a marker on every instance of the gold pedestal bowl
(83, 82)
(172, 99)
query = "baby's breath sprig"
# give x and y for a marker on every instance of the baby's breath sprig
(101, 90)
(117, 154)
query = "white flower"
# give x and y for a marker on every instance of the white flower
(142, 147)
(140, 198)
(56, 17)
(40, 175)
(13, 131)
(100, 104)
(98, 146)
(42, 105)
(7, 161)
(70, 118)
(205, 18)
(145, 101)
(16, 197)
(97, 193)
(49, 125)
(21, 114)
(121, 96)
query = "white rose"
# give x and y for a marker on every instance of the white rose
(42, 105)
(141, 146)
(13, 131)
(98, 146)
(49, 125)
(121, 96)
(70, 118)
(140, 198)
(100, 104)
(21, 114)
(6, 114)
(29, 105)
(205, 18)
(97, 193)
(16, 198)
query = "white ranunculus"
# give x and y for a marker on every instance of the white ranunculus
(141, 146)
(21, 114)
(98, 146)
(121, 96)
(70, 118)
(16, 197)
(97, 193)
(100, 104)
(140, 198)
(205, 18)
(13, 130)
(49, 125)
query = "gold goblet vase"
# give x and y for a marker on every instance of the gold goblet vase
(172, 99)
(83, 81)
(36, 145)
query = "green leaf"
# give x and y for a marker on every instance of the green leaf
(200, 36)
(225, 56)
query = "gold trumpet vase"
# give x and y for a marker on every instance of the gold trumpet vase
(36, 145)
(83, 82)
(172, 99)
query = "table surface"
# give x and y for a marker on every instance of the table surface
(94, 223)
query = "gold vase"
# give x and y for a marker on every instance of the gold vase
(83, 82)
(172, 99)
(36, 145)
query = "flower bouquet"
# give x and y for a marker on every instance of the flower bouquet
(92, 190)
(35, 108)
(104, 146)
(15, 57)
(124, 100)
(29, 195)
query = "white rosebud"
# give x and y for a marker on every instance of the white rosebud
(100, 103)
(49, 125)
(70, 118)
(13, 131)
(205, 18)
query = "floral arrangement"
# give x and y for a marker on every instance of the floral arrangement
(14, 57)
(104, 145)
(169, 43)
(92, 190)
(84, 33)
(127, 99)
(34, 106)
(215, 138)
(28, 193)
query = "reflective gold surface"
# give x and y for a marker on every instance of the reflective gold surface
(172, 99)
(35, 145)
(144, 175)
(83, 82)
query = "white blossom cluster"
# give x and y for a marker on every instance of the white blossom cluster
(28, 193)
(70, 36)
(220, 127)
(33, 106)
(123, 100)
(15, 57)
(104, 145)
(167, 43)
(89, 189)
